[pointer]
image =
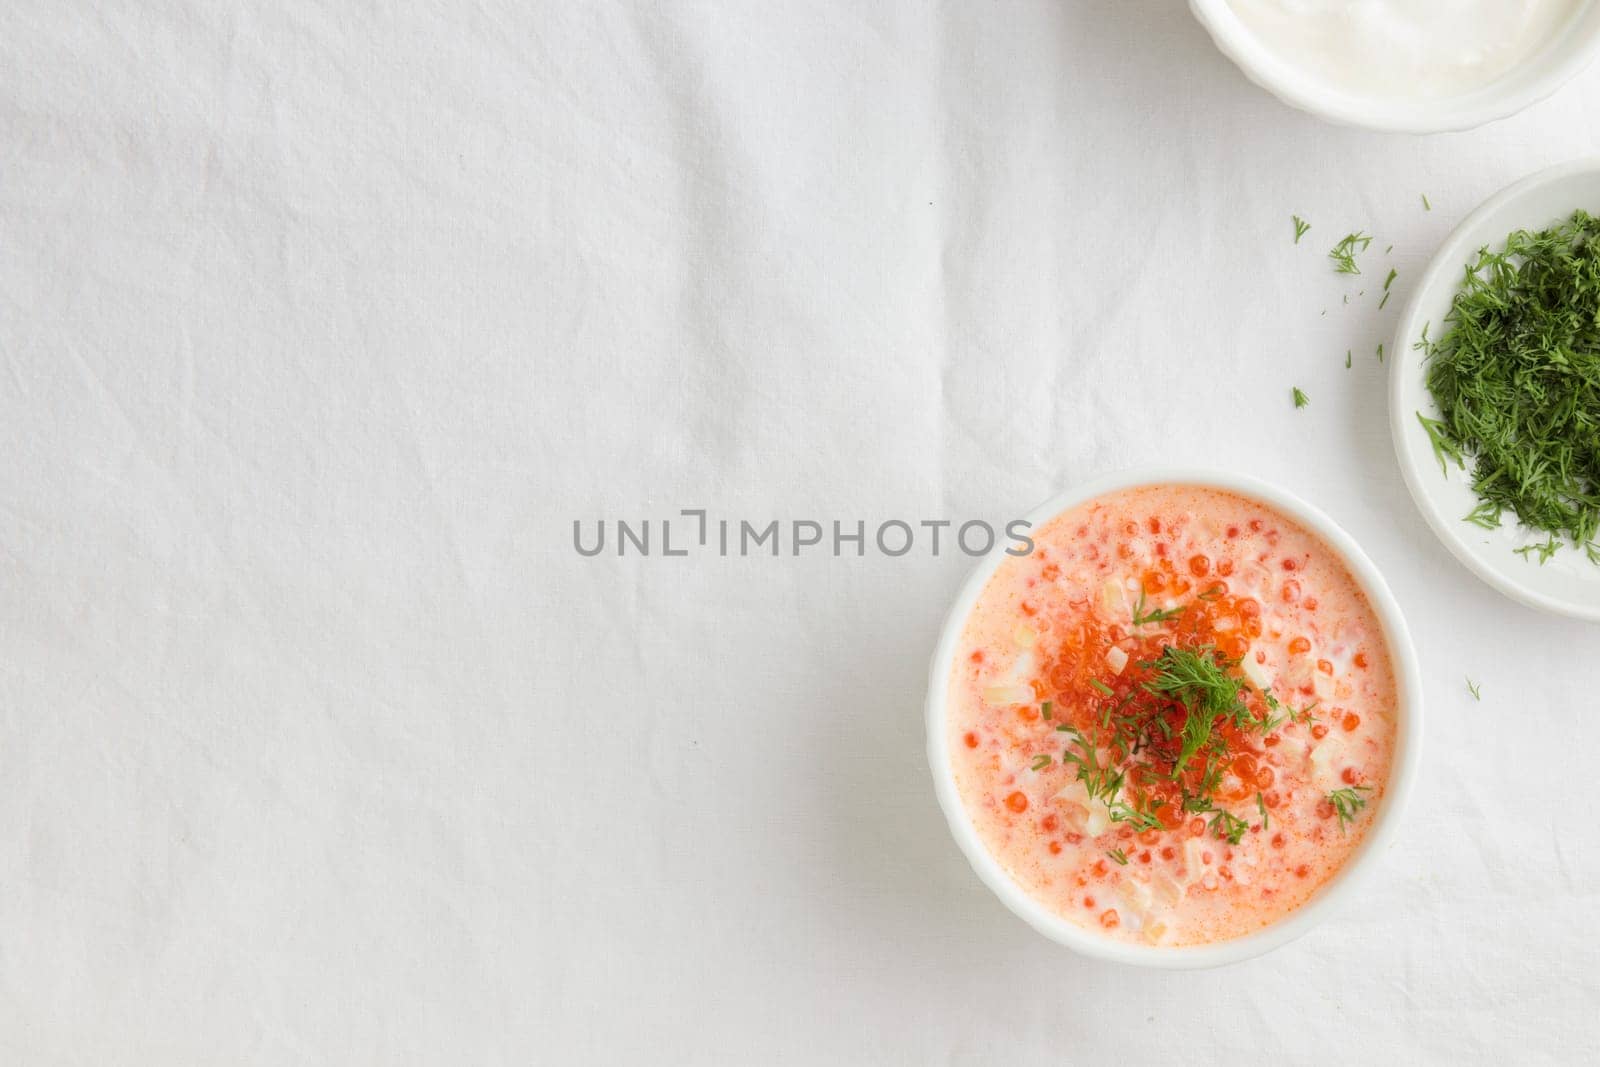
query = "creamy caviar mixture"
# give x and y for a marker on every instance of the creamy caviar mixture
(1174, 720)
(1406, 48)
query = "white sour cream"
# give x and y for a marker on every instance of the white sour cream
(1405, 48)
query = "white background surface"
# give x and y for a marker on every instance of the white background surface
(321, 323)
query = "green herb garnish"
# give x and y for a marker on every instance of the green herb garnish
(1344, 253)
(1119, 856)
(1516, 378)
(1261, 806)
(1040, 762)
(1300, 398)
(1545, 548)
(1346, 802)
(1443, 446)
(1425, 205)
(1228, 826)
(1300, 227)
(1045, 710)
(1140, 616)
(1170, 726)
(1472, 687)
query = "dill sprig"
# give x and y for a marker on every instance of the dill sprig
(1344, 253)
(1119, 856)
(1347, 802)
(1300, 398)
(1141, 617)
(1301, 226)
(1472, 687)
(1516, 378)
(1228, 826)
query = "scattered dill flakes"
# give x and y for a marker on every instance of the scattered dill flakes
(1425, 205)
(1228, 826)
(1386, 251)
(1301, 226)
(1380, 351)
(1393, 274)
(1385, 300)
(1141, 617)
(1347, 354)
(1344, 253)
(1300, 398)
(1041, 761)
(1545, 548)
(1472, 687)
(1516, 378)
(1119, 855)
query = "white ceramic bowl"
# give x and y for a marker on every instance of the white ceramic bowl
(1568, 584)
(1343, 885)
(1542, 74)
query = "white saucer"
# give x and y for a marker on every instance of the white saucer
(1568, 583)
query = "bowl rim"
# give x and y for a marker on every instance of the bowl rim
(1560, 61)
(1341, 886)
(1453, 254)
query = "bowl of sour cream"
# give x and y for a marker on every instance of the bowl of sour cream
(1408, 66)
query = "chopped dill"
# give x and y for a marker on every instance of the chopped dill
(1140, 617)
(1344, 253)
(1472, 687)
(1516, 378)
(1228, 826)
(1119, 856)
(1261, 806)
(1300, 227)
(1347, 802)
(1545, 548)
(1300, 398)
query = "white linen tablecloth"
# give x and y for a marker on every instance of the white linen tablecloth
(322, 322)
